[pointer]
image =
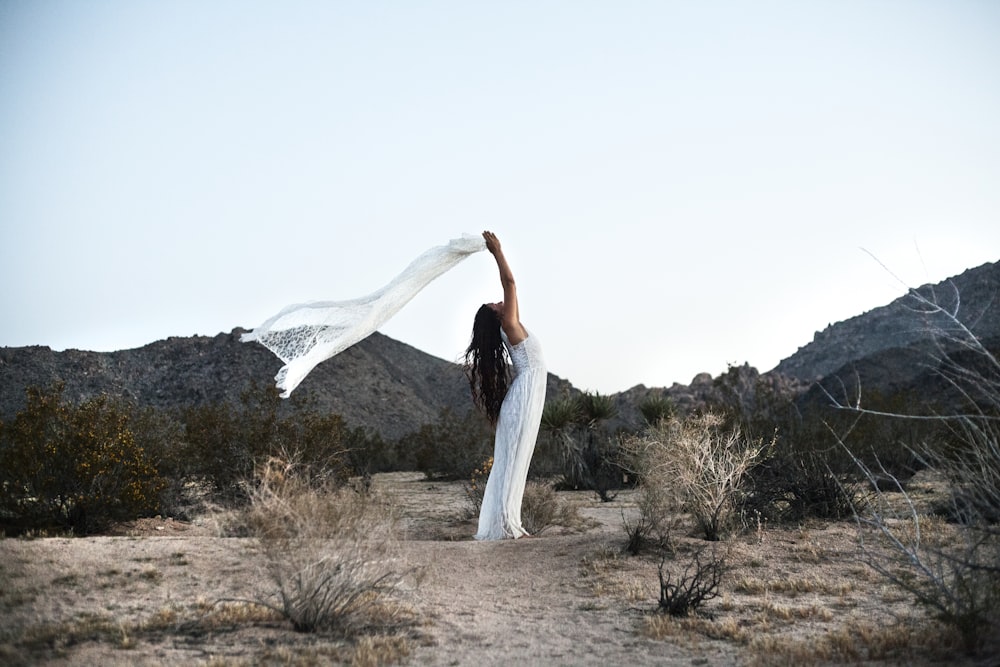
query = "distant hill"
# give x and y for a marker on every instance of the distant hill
(379, 384)
(391, 388)
(895, 350)
(887, 350)
(974, 296)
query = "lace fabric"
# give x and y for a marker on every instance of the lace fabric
(516, 433)
(305, 335)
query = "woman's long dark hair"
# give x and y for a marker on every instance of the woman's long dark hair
(486, 364)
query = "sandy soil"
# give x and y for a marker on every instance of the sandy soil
(161, 594)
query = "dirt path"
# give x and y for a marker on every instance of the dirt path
(526, 603)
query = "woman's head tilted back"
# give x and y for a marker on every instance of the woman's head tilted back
(486, 363)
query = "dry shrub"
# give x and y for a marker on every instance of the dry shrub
(541, 508)
(956, 576)
(656, 522)
(330, 553)
(695, 465)
(698, 584)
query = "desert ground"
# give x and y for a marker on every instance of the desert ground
(169, 592)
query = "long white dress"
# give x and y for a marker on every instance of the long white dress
(516, 432)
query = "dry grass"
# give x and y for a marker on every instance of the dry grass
(331, 554)
(792, 587)
(794, 610)
(776, 633)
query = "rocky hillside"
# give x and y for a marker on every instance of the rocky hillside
(392, 388)
(899, 349)
(974, 296)
(887, 350)
(379, 384)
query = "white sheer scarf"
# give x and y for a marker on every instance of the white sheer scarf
(306, 334)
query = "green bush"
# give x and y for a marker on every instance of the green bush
(223, 443)
(451, 448)
(368, 453)
(656, 407)
(73, 466)
(810, 472)
(805, 475)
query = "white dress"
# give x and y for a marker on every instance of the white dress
(517, 429)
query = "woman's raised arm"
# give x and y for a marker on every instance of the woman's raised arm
(510, 317)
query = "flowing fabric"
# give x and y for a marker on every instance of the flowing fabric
(306, 334)
(517, 430)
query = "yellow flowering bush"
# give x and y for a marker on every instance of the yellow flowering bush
(476, 485)
(75, 466)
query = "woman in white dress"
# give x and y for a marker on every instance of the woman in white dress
(511, 394)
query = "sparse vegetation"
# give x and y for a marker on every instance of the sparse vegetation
(925, 489)
(657, 518)
(476, 486)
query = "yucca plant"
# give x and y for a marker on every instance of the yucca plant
(573, 427)
(656, 407)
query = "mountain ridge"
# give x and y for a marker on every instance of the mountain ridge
(973, 295)
(391, 388)
(379, 384)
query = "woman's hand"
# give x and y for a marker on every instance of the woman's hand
(492, 242)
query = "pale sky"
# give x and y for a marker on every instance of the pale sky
(679, 186)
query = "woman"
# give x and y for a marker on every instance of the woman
(512, 398)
